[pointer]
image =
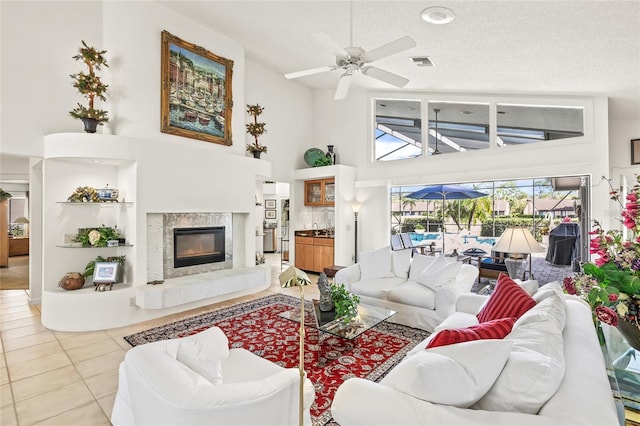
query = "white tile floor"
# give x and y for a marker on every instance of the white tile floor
(61, 378)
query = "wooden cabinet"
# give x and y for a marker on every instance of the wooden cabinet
(314, 254)
(18, 246)
(320, 192)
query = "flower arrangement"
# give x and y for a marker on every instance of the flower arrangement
(256, 128)
(611, 284)
(98, 237)
(89, 85)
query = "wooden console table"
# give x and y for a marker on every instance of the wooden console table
(18, 246)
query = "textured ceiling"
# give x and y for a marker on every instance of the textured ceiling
(521, 47)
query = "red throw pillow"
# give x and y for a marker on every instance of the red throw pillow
(495, 329)
(508, 300)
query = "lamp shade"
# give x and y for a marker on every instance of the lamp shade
(517, 240)
(21, 219)
(294, 277)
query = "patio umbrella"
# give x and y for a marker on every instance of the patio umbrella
(444, 193)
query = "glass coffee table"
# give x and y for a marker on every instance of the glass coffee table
(328, 326)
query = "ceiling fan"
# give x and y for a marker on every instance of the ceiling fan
(356, 59)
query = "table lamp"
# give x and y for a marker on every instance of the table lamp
(516, 242)
(293, 277)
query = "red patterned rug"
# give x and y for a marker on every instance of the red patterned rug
(256, 326)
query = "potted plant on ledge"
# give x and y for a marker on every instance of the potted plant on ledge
(256, 129)
(91, 87)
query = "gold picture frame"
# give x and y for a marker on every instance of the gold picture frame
(196, 99)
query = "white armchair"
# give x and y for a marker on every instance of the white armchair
(157, 389)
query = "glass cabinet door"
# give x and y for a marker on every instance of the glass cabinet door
(313, 192)
(329, 192)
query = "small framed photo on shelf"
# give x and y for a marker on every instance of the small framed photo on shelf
(105, 272)
(635, 151)
(269, 214)
(270, 204)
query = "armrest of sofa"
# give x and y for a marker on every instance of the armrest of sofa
(470, 303)
(348, 275)
(366, 403)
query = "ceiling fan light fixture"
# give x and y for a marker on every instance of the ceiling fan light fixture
(438, 15)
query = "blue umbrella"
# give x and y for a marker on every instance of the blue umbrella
(444, 193)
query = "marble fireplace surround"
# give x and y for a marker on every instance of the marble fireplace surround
(160, 243)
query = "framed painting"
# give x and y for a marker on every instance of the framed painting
(105, 272)
(270, 204)
(196, 99)
(635, 151)
(269, 214)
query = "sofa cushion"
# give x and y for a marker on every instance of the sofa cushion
(419, 263)
(530, 286)
(508, 300)
(535, 367)
(375, 263)
(439, 274)
(455, 375)
(495, 329)
(413, 294)
(400, 263)
(376, 288)
(203, 353)
(457, 320)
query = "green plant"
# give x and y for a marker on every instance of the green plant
(346, 304)
(322, 161)
(4, 195)
(98, 237)
(419, 227)
(90, 85)
(256, 129)
(88, 270)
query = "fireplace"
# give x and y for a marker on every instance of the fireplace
(197, 246)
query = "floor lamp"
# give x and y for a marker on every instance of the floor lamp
(293, 277)
(356, 209)
(516, 242)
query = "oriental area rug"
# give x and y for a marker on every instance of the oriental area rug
(256, 327)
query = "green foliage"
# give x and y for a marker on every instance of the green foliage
(346, 304)
(89, 84)
(4, 195)
(256, 128)
(105, 234)
(322, 161)
(88, 270)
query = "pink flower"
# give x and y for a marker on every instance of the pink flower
(607, 315)
(613, 297)
(569, 285)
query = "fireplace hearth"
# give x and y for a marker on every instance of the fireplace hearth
(198, 246)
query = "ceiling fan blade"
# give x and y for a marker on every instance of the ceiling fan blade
(309, 72)
(386, 76)
(343, 86)
(390, 48)
(331, 44)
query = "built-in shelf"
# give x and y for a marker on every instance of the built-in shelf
(89, 288)
(92, 247)
(106, 204)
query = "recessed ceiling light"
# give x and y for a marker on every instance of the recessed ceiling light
(466, 112)
(438, 15)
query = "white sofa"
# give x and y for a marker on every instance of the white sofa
(581, 396)
(210, 385)
(421, 289)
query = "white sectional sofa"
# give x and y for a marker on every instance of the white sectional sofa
(550, 371)
(422, 289)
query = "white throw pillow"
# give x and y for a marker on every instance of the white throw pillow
(401, 262)
(436, 276)
(550, 289)
(419, 263)
(456, 375)
(535, 367)
(375, 264)
(530, 286)
(203, 352)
